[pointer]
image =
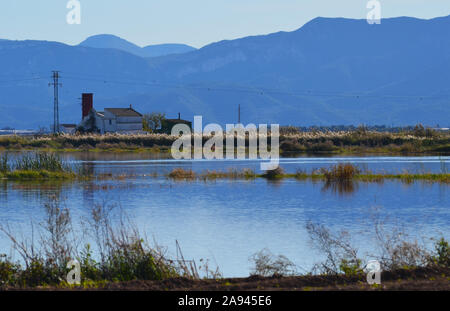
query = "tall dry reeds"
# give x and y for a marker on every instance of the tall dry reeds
(341, 172)
(180, 173)
(393, 247)
(291, 140)
(40, 161)
(120, 252)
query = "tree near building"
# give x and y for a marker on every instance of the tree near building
(153, 121)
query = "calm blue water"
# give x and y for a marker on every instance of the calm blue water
(228, 221)
(145, 164)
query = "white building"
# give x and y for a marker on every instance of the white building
(113, 120)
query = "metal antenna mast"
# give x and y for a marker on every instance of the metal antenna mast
(55, 84)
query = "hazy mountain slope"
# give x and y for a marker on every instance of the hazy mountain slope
(330, 71)
(325, 54)
(114, 42)
(28, 103)
(332, 56)
(166, 49)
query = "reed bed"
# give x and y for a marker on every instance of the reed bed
(35, 166)
(290, 141)
(407, 177)
(341, 173)
(230, 174)
(40, 161)
(180, 173)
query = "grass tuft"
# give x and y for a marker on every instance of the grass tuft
(35, 166)
(274, 174)
(180, 173)
(341, 172)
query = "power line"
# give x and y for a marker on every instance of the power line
(21, 80)
(259, 90)
(236, 89)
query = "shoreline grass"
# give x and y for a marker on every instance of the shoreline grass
(36, 166)
(37, 175)
(334, 174)
(342, 142)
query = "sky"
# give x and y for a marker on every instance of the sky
(193, 22)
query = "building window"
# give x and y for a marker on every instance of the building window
(110, 122)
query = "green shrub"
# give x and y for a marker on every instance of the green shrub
(90, 269)
(39, 273)
(442, 257)
(351, 267)
(8, 271)
(134, 262)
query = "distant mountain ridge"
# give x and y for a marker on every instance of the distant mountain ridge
(393, 67)
(114, 42)
(330, 71)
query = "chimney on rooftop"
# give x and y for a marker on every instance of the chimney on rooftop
(179, 116)
(87, 103)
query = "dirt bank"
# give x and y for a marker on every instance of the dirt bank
(422, 279)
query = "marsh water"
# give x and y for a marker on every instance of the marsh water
(227, 221)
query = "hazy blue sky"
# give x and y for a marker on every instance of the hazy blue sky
(194, 22)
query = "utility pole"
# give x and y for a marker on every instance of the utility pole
(55, 84)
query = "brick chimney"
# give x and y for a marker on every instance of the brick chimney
(87, 100)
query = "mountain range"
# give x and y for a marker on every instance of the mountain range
(330, 71)
(114, 42)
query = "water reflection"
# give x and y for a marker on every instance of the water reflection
(341, 187)
(146, 163)
(3, 190)
(88, 194)
(36, 190)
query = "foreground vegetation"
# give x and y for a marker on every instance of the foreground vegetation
(292, 140)
(122, 258)
(121, 252)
